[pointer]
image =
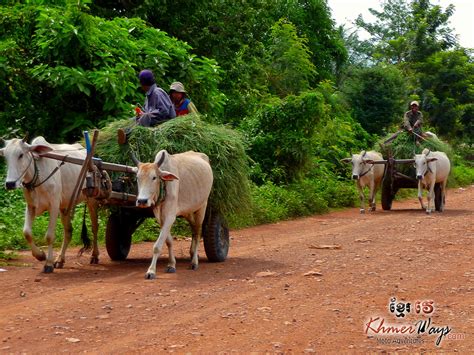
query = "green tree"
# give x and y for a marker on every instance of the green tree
(408, 31)
(376, 95)
(285, 136)
(236, 33)
(313, 20)
(447, 89)
(289, 65)
(66, 70)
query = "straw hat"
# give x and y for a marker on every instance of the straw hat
(178, 87)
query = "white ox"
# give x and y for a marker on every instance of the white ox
(47, 186)
(187, 180)
(432, 168)
(366, 173)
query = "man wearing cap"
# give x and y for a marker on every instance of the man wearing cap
(182, 104)
(157, 109)
(413, 119)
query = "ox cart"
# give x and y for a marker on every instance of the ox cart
(119, 196)
(397, 176)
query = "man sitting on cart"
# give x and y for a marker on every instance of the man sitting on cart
(412, 121)
(157, 109)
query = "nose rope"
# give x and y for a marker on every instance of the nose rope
(25, 171)
(365, 173)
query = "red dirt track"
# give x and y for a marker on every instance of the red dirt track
(259, 299)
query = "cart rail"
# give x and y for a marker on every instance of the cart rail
(96, 161)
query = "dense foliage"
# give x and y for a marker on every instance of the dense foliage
(66, 70)
(302, 93)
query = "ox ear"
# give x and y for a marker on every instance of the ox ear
(429, 160)
(167, 176)
(38, 149)
(346, 160)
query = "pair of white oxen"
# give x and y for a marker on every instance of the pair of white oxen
(48, 185)
(431, 168)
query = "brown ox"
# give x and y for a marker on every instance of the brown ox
(186, 180)
(47, 186)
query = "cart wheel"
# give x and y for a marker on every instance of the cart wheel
(216, 237)
(438, 200)
(118, 235)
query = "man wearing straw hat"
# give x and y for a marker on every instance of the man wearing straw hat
(178, 96)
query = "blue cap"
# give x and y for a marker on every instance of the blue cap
(146, 77)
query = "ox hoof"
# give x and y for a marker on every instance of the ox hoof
(94, 260)
(362, 211)
(372, 209)
(150, 276)
(170, 270)
(48, 269)
(194, 267)
(58, 264)
(428, 212)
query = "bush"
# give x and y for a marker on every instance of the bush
(461, 176)
(285, 135)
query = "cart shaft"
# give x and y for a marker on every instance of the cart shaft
(98, 162)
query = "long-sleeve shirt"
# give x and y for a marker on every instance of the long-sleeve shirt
(158, 105)
(411, 118)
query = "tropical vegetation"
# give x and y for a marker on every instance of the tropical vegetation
(296, 92)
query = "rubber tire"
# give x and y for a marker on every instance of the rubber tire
(438, 199)
(215, 235)
(118, 236)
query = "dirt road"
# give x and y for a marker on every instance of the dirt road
(276, 292)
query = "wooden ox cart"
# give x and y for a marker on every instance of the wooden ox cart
(396, 177)
(119, 197)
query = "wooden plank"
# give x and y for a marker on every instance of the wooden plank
(78, 161)
(404, 161)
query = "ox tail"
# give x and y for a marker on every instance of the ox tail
(86, 242)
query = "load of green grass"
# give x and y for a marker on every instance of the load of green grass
(230, 194)
(404, 147)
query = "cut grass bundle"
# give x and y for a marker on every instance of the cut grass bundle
(404, 147)
(230, 193)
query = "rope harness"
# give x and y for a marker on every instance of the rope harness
(33, 183)
(162, 195)
(366, 172)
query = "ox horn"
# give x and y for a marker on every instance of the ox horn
(162, 159)
(134, 159)
(363, 153)
(25, 138)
